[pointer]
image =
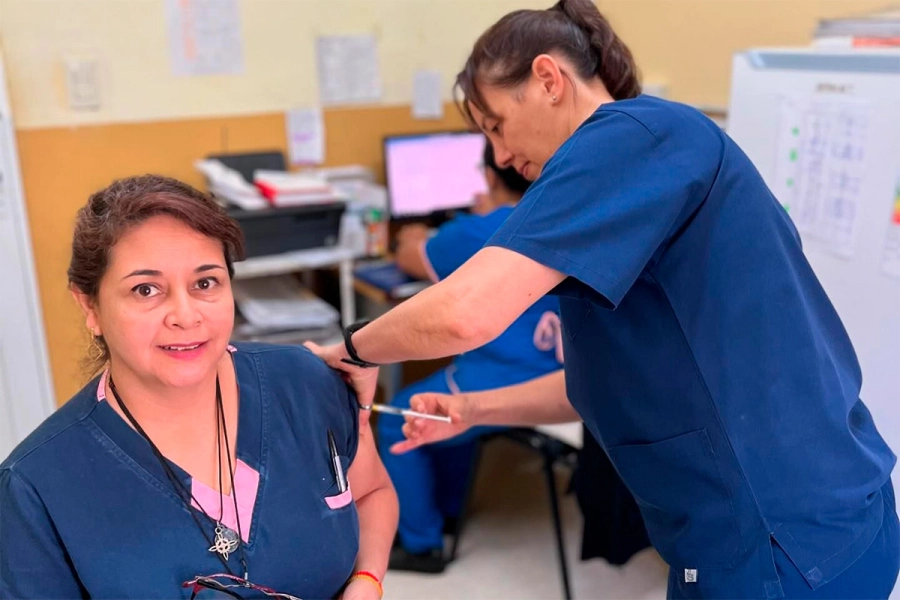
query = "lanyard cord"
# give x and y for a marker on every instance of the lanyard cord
(182, 492)
(237, 514)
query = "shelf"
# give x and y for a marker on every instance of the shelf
(278, 264)
(294, 337)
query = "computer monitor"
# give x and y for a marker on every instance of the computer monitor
(433, 173)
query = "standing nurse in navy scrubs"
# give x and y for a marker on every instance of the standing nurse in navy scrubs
(701, 351)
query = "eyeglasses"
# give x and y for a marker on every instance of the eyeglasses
(233, 583)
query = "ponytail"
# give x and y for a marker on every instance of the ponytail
(503, 55)
(614, 63)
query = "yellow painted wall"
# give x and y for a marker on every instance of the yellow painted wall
(153, 121)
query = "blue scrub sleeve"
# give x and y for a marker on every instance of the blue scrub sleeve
(349, 420)
(33, 562)
(608, 201)
(340, 412)
(455, 242)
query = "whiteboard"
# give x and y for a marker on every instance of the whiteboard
(26, 396)
(823, 128)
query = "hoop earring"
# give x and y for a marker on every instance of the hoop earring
(96, 350)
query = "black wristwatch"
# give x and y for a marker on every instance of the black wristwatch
(354, 359)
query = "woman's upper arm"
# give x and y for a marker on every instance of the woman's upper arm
(497, 273)
(367, 472)
(33, 561)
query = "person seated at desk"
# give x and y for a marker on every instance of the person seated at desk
(430, 482)
(189, 464)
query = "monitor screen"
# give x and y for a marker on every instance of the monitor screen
(433, 172)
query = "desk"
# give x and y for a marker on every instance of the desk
(370, 292)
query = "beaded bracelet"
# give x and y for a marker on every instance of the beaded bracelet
(370, 577)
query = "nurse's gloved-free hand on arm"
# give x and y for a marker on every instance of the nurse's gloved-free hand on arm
(536, 402)
(363, 381)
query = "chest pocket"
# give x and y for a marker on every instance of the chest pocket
(334, 500)
(339, 520)
(683, 499)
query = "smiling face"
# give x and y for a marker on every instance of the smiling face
(164, 306)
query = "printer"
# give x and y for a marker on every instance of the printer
(279, 229)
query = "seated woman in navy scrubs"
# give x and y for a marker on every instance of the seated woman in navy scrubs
(431, 482)
(188, 457)
(701, 350)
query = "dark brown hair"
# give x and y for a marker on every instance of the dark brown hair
(112, 211)
(503, 55)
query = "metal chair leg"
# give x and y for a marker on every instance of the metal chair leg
(557, 524)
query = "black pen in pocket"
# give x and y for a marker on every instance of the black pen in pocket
(336, 464)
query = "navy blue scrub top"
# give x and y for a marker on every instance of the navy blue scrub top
(86, 510)
(701, 350)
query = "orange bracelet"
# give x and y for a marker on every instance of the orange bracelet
(370, 577)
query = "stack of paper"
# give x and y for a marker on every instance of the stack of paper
(281, 188)
(281, 303)
(881, 28)
(347, 180)
(334, 175)
(230, 186)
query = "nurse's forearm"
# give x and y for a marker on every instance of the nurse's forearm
(540, 401)
(468, 309)
(439, 321)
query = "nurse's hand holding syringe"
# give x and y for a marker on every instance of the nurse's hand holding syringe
(536, 402)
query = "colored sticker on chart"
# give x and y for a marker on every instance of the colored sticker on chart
(821, 155)
(890, 264)
(896, 218)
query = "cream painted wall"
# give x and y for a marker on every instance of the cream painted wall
(684, 44)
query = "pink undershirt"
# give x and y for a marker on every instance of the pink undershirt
(246, 484)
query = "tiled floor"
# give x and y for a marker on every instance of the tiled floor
(508, 552)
